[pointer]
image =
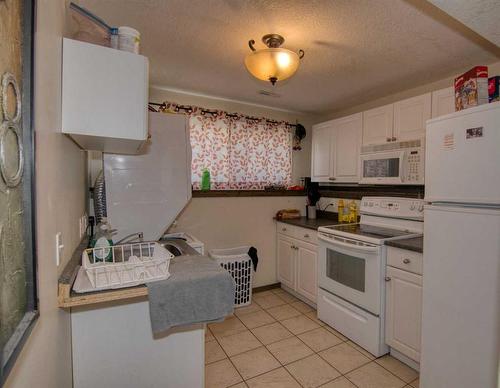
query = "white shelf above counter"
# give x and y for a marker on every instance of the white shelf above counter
(104, 97)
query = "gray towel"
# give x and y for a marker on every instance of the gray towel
(198, 290)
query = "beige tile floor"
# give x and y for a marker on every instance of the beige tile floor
(278, 342)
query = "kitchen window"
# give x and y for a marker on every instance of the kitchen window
(241, 153)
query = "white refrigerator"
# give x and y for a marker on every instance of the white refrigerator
(461, 277)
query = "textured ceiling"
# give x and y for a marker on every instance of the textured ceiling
(482, 16)
(356, 51)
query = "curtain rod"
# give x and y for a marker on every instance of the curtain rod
(190, 109)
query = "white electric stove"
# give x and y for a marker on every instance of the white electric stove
(351, 268)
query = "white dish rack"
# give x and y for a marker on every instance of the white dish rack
(126, 265)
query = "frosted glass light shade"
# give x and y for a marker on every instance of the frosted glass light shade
(272, 64)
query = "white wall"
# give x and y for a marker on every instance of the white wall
(226, 222)
(45, 360)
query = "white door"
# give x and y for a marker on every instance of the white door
(307, 257)
(286, 261)
(403, 312)
(410, 117)
(346, 146)
(377, 125)
(462, 156)
(351, 270)
(461, 302)
(443, 102)
(321, 162)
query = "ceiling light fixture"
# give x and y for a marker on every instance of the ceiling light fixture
(274, 63)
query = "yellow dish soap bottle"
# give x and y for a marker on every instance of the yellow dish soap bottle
(340, 210)
(353, 211)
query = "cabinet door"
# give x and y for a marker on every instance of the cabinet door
(410, 117)
(321, 162)
(443, 102)
(403, 312)
(346, 141)
(104, 97)
(286, 261)
(377, 125)
(307, 259)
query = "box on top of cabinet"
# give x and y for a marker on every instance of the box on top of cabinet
(471, 88)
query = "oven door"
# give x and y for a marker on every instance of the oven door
(351, 270)
(383, 168)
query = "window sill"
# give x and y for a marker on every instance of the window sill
(248, 193)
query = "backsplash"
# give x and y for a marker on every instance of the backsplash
(330, 204)
(360, 191)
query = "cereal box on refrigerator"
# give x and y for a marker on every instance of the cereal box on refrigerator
(471, 88)
(494, 88)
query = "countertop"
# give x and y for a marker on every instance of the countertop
(415, 244)
(68, 298)
(314, 224)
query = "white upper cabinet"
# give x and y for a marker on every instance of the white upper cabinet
(346, 141)
(377, 125)
(104, 97)
(443, 102)
(335, 150)
(321, 161)
(410, 117)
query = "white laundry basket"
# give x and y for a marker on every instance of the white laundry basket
(237, 262)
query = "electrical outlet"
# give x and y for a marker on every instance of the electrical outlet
(59, 248)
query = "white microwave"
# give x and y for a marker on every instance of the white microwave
(399, 163)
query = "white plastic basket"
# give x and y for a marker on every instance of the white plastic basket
(237, 262)
(126, 265)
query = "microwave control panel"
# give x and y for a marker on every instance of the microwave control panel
(415, 166)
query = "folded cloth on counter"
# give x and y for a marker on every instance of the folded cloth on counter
(198, 290)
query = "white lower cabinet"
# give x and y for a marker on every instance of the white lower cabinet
(403, 311)
(307, 258)
(297, 255)
(286, 261)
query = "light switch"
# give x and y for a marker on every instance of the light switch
(59, 248)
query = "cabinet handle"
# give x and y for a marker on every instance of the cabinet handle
(332, 178)
(283, 229)
(388, 139)
(387, 279)
(394, 138)
(306, 236)
(406, 261)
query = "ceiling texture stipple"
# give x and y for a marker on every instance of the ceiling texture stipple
(357, 51)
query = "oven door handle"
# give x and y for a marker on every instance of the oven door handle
(334, 241)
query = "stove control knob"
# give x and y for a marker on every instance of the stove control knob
(412, 206)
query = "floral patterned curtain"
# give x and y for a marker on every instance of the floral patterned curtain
(241, 153)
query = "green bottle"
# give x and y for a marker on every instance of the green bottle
(205, 180)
